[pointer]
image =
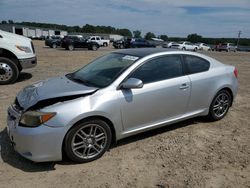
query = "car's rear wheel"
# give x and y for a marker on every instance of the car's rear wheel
(71, 47)
(195, 49)
(183, 48)
(220, 105)
(8, 71)
(105, 44)
(88, 141)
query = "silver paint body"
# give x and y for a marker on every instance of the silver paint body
(130, 111)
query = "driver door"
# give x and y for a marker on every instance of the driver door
(163, 97)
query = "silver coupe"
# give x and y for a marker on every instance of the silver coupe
(117, 95)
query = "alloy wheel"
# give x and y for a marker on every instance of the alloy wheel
(89, 141)
(221, 105)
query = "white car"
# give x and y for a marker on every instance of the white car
(185, 46)
(203, 46)
(167, 44)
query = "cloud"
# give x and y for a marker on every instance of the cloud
(212, 18)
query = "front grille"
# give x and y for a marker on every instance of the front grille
(33, 49)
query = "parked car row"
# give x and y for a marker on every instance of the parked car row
(133, 43)
(185, 45)
(225, 47)
(71, 42)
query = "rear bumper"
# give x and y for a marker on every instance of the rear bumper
(28, 63)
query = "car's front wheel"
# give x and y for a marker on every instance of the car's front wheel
(220, 105)
(94, 47)
(8, 71)
(54, 45)
(88, 141)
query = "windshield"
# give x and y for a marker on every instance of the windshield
(104, 70)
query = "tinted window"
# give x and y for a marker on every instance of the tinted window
(196, 64)
(104, 70)
(158, 69)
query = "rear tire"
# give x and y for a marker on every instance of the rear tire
(8, 71)
(220, 105)
(71, 47)
(105, 44)
(88, 141)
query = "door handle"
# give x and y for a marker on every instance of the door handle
(184, 86)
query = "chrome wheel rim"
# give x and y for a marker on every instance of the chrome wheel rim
(71, 47)
(89, 141)
(6, 72)
(94, 47)
(221, 105)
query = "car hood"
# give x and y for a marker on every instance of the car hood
(52, 88)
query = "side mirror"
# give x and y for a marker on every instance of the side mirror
(132, 83)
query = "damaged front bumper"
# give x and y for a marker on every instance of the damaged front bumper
(38, 144)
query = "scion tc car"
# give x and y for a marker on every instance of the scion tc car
(120, 94)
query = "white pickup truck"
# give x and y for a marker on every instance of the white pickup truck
(16, 53)
(99, 40)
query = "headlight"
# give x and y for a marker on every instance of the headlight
(35, 118)
(24, 48)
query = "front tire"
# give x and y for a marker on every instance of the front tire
(8, 71)
(88, 141)
(220, 105)
(54, 46)
(94, 47)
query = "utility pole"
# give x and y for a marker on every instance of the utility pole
(238, 38)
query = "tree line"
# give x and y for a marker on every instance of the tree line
(127, 33)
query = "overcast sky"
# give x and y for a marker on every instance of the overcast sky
(209, 18)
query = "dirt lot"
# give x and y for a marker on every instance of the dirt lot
(194, 153)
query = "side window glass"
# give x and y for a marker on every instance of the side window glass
(196, 64)
(162, 68)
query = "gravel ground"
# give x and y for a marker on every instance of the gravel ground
(193, 153)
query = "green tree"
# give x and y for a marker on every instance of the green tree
(194, 38)
(4, 22)
(124, 32)
(10, 21)
(137, 34)
(163, 37)
(149, 36)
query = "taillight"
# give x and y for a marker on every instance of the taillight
(235, 72)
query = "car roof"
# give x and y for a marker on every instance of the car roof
(142, 52)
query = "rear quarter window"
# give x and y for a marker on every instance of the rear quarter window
(196, 64)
